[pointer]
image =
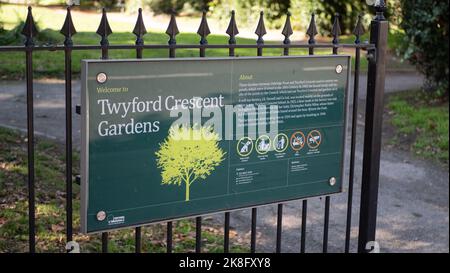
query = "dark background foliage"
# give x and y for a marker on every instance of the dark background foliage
(426, 42)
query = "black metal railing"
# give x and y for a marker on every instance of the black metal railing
(375, 89)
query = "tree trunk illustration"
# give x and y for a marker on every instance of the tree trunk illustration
(187, 190)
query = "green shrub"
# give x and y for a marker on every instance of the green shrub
(109, 4)
(197, 5)
(247, 12)
(37, 2)
(348, 9)
(50, 2)
(83, 3)
(326, 10)
(425, 23)
(14, 36)
(166, 6)
(301, 13)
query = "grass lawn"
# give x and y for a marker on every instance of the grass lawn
(50, 211)
(51, 64)
(422, 123)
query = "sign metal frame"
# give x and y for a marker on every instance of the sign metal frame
(84, 183)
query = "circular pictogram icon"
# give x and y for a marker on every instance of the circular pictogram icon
(339, 69)
(263, 144)
(244, 146)
(297, 141)
(280, 142)
(101, 77)
(314, 139)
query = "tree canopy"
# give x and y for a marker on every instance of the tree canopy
(189, 154)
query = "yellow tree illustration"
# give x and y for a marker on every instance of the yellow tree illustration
(188, 154)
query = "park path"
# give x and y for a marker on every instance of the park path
(413, 195)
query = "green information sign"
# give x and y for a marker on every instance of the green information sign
(171, 138)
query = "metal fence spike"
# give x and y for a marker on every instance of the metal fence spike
(68, 29)
(104, 30)
(203, 29)
(29, 29)
(232, 29)
(359, 30)
(312, 29)
(336, 30)
(139, 29)
(287, 29)
(380, 8)
(172, 29)
(261, 28)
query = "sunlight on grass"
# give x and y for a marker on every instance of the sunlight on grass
(428, 122)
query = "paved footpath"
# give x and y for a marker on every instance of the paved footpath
(413, 197)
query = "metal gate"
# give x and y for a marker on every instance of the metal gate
(376, 52)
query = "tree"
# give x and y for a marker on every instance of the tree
(426, 43)
(247, 12)
(188, 154)
(177, 6)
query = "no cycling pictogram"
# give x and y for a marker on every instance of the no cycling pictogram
(314, 139)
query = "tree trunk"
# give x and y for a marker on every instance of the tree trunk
(187, 191)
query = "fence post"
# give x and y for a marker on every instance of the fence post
(30, 31)
(373, 126)
(68, 30)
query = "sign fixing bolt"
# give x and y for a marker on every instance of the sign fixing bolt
(332, 181)
(101, 215)
(102, 77)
